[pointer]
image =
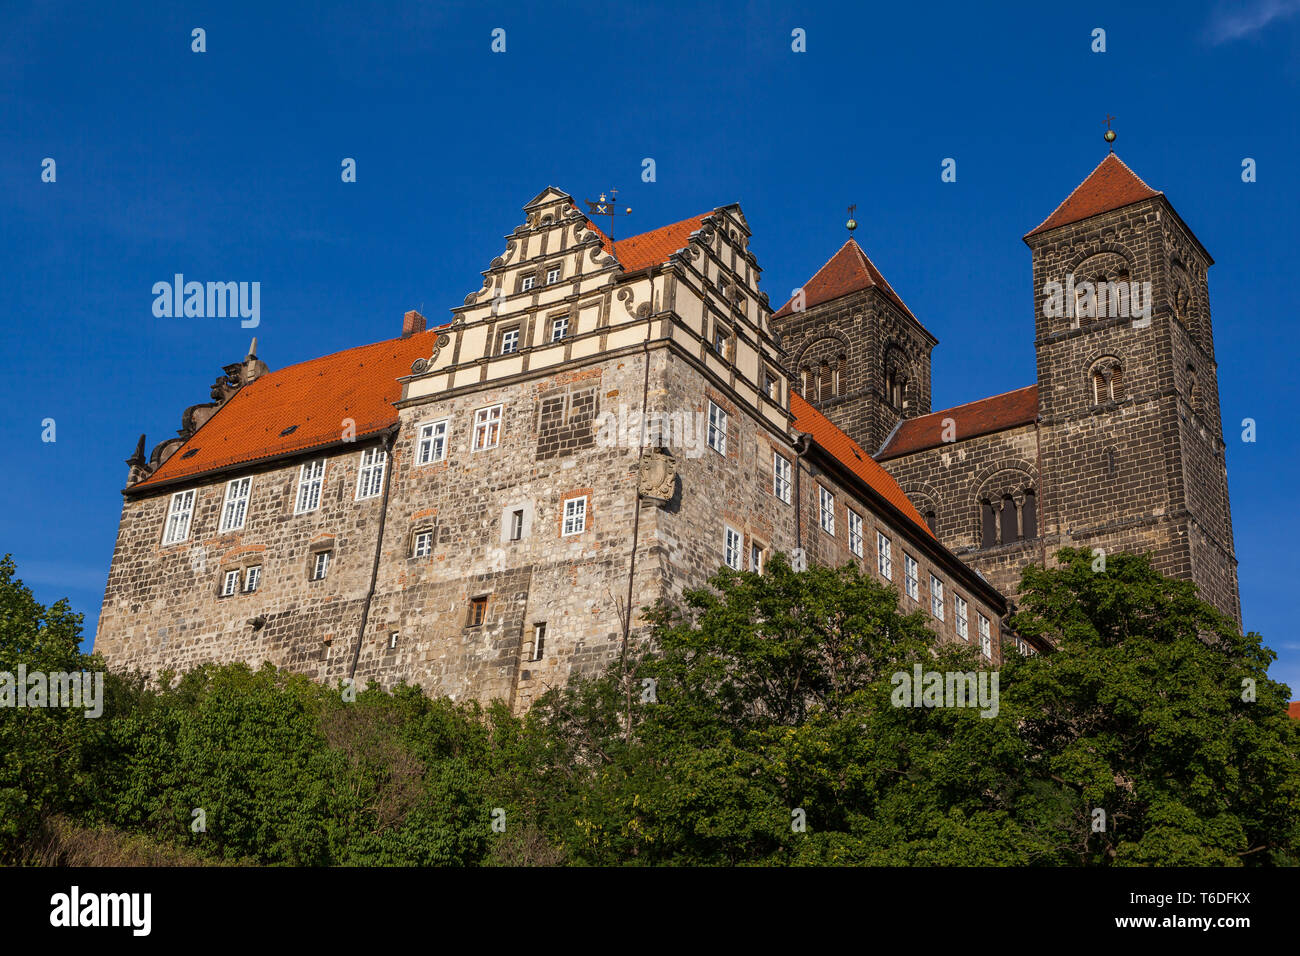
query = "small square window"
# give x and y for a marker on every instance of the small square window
(477, 611)
(575, 516)
(559, 328)
(229, 583)
(252, 578)
(432, 444)
(527, 283)
(320, 566)
(423, 544)
(509, 341)
(552, 275)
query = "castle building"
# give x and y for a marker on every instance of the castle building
(484, 508)
(1117, 447)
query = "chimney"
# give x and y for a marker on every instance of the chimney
(412, 322)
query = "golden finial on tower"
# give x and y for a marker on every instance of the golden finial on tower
(1110, 133)
(852, 223)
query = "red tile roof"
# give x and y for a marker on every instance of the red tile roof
(827, 434)
(849, 270)
(315, 396)
(1109, 186)
(974, 418)
(653, 247)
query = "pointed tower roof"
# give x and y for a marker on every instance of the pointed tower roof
(849, 270)
(1110, 186)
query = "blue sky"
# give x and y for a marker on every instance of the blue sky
(225, 165)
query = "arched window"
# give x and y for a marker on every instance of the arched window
(1107, 381)
(1193, 388)
(1029, 515)
(1007, 523)
(841, 374)
(988, 525)
(825, 381)
(930, 518)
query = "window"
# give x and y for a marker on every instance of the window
(178, 517)
(884, 561)
(986, 641)
(477, 610)
(320, 567)
(735, 554)
(422, 544)
(527, 283)
(959, 612)
(988, 525)
(827, 510)
(717, 429)
(310, 479)
(559, 328)
(516, 525)
(509, 341)
(1007, 520)
(370, 476)
(487, 428)
(552, 275)
(1029, 516)
(936, 597)
(575, 516)
(229, 583)
(757, 554)
(539, 640)
(720, 337)
(781, 477)
(855, 533)
(432, 444)
(392, 639)
(235, 509)
(911, 577)
(252, 578)
(771, 385)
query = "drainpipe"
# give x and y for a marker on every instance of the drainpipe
(636, 500)
(379, 545)
(800, 445)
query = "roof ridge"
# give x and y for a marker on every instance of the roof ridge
(976, 401)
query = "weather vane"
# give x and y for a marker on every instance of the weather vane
(607, 207)
(852, 223)
(1110, 133)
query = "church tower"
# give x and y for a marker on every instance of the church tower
(1132, 442)
(854, 350)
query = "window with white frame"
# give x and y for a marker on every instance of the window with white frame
(539, 640)
(320, 565)
(422, 544)
(252, 578)
(757, 554)
(575, 515)
(771, 385)
(827, 510)
(553, 275)
(559, 327)
(884, 558)
(717, 429)
(986, 639)
(781, 477)
(178, 517)
(959, 612)
(432, 445)
(517, 524)
(855, 532)
(911, 577)
(235, 509)
(487, 428)
(527, 283)
(936, 597)
(721, 335)
(311, 478)
(509, 341)
(370, 476)
(735, 550)
(229, 583)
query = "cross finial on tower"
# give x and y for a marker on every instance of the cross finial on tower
(1110, 133)
(852, 223)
